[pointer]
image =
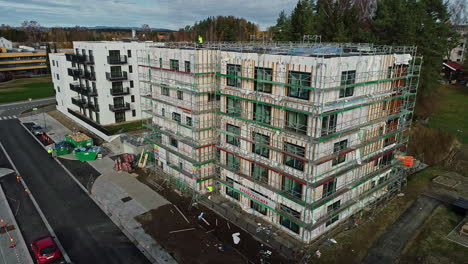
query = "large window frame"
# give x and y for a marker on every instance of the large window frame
(291, 161)
(284, 221)
(234, 71)
(329, 123)
(332, 208)
(232, 162)
(296, 122)
(337, 147)
(230, 192)
(233, 140)
(292, 187)
(262, 113)
(262, 75)
(233, 106)
(259, 173)
(260, 148)
(174, 65)
(329, 188)
(299, 80)
(347, 78)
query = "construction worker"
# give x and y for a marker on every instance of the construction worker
(200, 39)
(51, 152)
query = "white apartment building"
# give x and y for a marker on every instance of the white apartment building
(97, 85)
(457, 54)
(5, 43)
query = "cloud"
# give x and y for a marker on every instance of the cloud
(171, 14)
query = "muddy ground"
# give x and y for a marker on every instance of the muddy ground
(201, 244)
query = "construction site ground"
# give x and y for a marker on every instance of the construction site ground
(201, 244)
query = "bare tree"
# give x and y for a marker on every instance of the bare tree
(146, 29)
(458, 10)
(33, 29)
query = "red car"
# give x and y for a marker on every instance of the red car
(45, 249)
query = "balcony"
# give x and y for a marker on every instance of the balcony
(75, 87)
(119, 107)
(116, 76)
(89, 75)
(117, 59)
(119, 91)
(76, 73)
(75, 58)
(89, 59)
(91, 92)
(79, 102)
(93, 107)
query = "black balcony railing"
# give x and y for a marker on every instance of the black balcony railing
(75, 72)
(117, 59)
(89, 59)
(119, 107)
(75, 87)
(120, 91)
(75, 58)
(89, 75)
(91, 92)
(116, 76)
(79, 102)
(94, 107)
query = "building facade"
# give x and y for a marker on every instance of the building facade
(303, 135)
(457, 54)
(98, 83)
(23, 62)
(5, 43)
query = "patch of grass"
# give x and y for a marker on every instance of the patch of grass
(126, 127)
(22, 89)
(431, 244)
(451, 114)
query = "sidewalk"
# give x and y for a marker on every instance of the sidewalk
(120, 195)
(19, 254)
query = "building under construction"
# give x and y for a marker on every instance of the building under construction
(302, 135)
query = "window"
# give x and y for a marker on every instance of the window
(262, 113)
(163, 112)
(233, 140)
(328, 124)
(329, 188)
(131, 84)
(132, 98)
(160, 63)
(58, 77)
(229, 191)
(233, 70)
(258, 147)
(232, 162)
(258, 206)
(337, 147)
(259, 173)
(347, 78)
(298, 81)
(233, 107)
(174, 65)
(133, 113)
(381, 180)
(187, 66)
(181, 165)
(386, 160)
(296, 122)
(176, 117)
(292, 187)
(174, 142)
(262, 76)
(188, 121)
(180, 95)
(213, 97)
(390, 72)
(119, 117)
(130, 69)
(288, 223)
(290, 160)
(129, 53)
(330, 209)
(53, 63)
(165, 90)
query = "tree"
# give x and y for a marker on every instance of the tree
(302, 19)
(33, 29)
(282, 29)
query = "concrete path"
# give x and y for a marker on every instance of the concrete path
(54, 129)
(18, 254)
(389, 246)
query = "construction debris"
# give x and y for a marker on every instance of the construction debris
(236, 238)
(181, 230)
(182, 214)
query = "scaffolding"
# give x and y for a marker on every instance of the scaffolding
(277, 121)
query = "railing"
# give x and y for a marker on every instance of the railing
(120, 91)
(116, 76)
(94, 107)
(89, 59)
(90, 75)
(79, 102)
(75, 72)
(119, 107)
(117, 59)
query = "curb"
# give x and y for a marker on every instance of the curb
(126, 233)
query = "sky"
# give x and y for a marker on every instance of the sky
(170, 14)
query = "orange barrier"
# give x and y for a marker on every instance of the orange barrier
(406, 160)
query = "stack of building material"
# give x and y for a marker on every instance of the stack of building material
(79, 140)
(125, 162)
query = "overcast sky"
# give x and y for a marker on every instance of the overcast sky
(171, 14)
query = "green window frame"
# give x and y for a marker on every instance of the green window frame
(180, 95)
(174, 65)
(291, 161)
(187, 66)
(232, 162)
(259, 173)
(292, 187)
(188, 121)
(233, 70)
(329, 124)
(337, 147)
(233, 106)
(284, 221)
(232, 139)
(329, 188)
(229, 191)
(165, 90)
(347, 78)
(260, 148)
(330, 209)
(261, 75)
(176, 117)
(259, 207)
(298, 81)
(296, 122)
(262, 113)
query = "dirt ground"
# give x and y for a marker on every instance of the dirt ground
(199, 245)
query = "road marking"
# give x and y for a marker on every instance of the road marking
(15, 116)
(44, 219)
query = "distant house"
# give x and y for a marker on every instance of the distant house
(457, 54)
(452, 71)
(5, 43)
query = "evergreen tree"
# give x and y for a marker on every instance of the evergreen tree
(282, 29)
(302, 19)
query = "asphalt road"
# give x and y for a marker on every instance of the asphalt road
(86, 233)
(13, 110)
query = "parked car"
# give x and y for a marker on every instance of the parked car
(45, 249)
(37, 130)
